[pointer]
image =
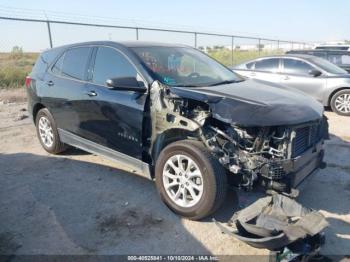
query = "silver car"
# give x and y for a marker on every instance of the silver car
(326, 82)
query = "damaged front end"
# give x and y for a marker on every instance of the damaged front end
(277, 157)
(269, 155)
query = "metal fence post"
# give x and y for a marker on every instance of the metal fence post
(232, 44)
(137, 33)
(49, 31)
(137, 29)
(195, 40)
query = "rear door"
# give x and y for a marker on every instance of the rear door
(295, 74)
(114, 118)
(66, 83)
(264, 69)
(267, 69)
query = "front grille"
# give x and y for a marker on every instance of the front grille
(305, 138)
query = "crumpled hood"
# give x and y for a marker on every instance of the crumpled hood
(255, 103)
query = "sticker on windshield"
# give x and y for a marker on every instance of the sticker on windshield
(169, 80)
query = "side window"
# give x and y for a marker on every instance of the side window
(339, 59)
(40, 67)
(57, 68)
(297, 67)
(109, 63)
(268, 65)
(73, 63)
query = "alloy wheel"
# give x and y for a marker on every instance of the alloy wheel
(183, 180)
(342, 103)
(45, 131)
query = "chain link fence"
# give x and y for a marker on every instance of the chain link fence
(24, 38)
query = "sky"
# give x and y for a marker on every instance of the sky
(298, 20)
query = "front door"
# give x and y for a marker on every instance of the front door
(295, 74)
(114, 118)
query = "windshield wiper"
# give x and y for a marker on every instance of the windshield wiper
(225, 82)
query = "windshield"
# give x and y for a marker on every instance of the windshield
(328, 66)
(182, 66)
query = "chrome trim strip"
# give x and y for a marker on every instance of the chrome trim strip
(135, 165)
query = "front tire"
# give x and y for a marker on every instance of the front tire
(340, 102)
(190, 181)
(46, 130)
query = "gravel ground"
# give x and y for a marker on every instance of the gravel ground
(79, 203)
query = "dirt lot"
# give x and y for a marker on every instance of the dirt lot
(78, 203)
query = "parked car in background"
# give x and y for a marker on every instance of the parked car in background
(333, 47)
(339, 57)
(173, 114)
(326, 82)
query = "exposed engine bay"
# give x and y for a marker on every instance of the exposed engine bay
(253, 155)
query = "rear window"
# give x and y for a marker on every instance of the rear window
(43, 61)
(39, 68)
(73, 63)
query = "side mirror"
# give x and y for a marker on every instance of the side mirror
(125, 84)
(315, 72)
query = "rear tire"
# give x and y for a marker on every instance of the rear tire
(340, 102)
(197, 175)
(46, 130)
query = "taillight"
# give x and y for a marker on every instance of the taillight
(28, 80)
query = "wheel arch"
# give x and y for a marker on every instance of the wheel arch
(170, 136)
(334, 92)
(36, 109)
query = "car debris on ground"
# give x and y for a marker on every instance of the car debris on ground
(280, 224)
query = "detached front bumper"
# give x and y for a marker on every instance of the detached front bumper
(297, 169)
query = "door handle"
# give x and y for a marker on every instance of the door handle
(286, 78)
(252, 74)
(91, 93)
(50, 83)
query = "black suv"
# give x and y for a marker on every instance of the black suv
(339, 57)
(175, 115)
